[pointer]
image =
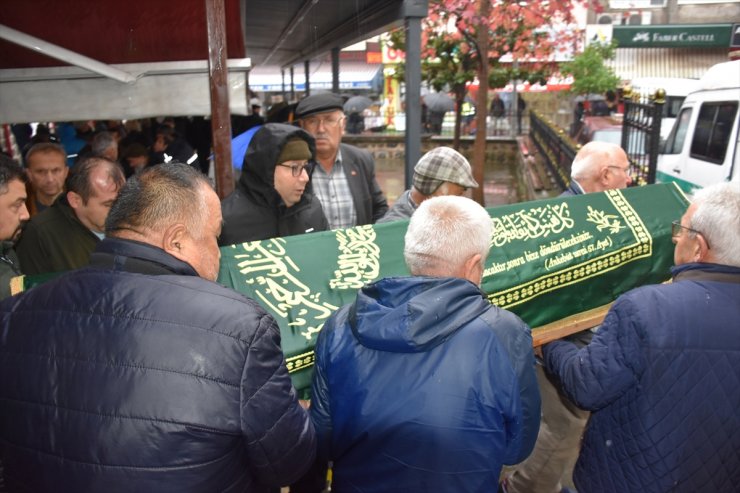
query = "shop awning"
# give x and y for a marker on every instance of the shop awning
(352, 75)
(690, 63)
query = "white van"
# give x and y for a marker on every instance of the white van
(676, 89)
(703, 147)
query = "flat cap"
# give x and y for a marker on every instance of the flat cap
(440, 165)
(319, 103)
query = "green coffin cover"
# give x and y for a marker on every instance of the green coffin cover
(549, 259)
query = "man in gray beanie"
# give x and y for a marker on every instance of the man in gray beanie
(441, 171)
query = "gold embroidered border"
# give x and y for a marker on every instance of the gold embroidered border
(300, 361)
(643, 247)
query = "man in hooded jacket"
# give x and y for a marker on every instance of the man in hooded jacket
(421, 384)
(273, 197)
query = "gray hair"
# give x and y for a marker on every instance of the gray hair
(102, 142)
(444, 232)
(592, 158)
(160, 196)
(717, 218)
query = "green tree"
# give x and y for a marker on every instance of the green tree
(590, 74)
(459, 34)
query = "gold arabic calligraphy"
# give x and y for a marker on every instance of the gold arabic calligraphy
(266, 266)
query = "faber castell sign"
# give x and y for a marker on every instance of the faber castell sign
(549, 259)
(673, 36)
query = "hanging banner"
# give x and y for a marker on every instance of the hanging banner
(549, 259)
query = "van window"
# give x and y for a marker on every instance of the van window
(675, 141)
(672, 105)
(712, 133)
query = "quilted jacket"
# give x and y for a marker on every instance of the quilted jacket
(422, 385)
(662, 378)
(136, 375)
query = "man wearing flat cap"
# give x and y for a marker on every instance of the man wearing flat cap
(273, 197)
(345, 180)
(441, 171)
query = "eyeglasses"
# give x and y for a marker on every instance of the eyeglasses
(297, 169)
(676, 228)
(314, 122)
(626, 169)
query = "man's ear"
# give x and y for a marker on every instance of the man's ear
(75, 200)
(473, 269)
(174, 241)
(701, 251)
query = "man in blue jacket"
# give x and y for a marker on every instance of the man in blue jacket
(139, 372)
(421, 384)
(661, 376)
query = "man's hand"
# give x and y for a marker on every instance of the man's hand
(538, 352)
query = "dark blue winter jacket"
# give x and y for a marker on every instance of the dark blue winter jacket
(136, 375)
(422, 385)
(662, 378)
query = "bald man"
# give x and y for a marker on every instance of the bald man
(598, 166)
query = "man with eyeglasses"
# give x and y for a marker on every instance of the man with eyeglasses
(598, 166)
(273, 197)
(661, 375)
(345, 180)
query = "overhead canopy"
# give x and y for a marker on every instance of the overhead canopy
(138, 40)
(352, 75)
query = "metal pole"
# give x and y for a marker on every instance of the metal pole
(292, 84)
(335, 70)
(218, 76)
(307, 88)
(414, 11)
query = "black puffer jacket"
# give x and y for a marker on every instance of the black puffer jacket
(134, 374)
(255, 211)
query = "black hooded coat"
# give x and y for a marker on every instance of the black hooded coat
(255, 210)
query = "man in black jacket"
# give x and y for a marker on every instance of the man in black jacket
(345, 180)
(273, 197)
(13, 215)
(138, 372)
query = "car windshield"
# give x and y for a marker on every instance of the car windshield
(613, 136)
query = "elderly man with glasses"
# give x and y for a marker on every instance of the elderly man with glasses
(273, 197)
(661, 375)
(345, 180)
(598, 166)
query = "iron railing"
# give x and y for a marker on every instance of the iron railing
(555, 147)
(641, 134)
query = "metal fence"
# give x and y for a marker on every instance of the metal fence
(555, 147)
(641, 134)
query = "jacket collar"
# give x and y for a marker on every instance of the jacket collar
(700, 271)
(138, 257)
(5, 246)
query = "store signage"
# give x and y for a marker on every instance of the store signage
(674, 36)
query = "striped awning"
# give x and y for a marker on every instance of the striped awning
(690, 63)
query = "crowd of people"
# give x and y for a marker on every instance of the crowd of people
(133, 370)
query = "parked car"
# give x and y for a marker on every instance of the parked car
(609, 129)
